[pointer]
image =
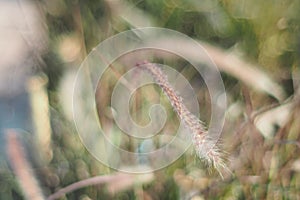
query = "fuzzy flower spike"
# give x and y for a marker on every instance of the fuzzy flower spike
(205, 147)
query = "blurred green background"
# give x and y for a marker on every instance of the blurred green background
(249, 40)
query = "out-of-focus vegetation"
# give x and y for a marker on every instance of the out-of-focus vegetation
(261, 133)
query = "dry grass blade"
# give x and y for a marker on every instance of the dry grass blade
(127, 181)
(21, 167)
(244, 71)
(227, 62)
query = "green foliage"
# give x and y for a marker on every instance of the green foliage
(266, 33)
(263, 32)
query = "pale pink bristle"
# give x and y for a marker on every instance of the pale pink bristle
(205, 147)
